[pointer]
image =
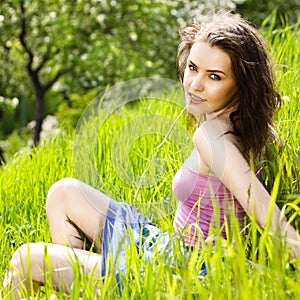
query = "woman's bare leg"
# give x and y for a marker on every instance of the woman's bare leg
(82, 204)
(29, 264)
(87, 208)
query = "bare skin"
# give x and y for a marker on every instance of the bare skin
(237, 175)
(210, 90)
(67, 198)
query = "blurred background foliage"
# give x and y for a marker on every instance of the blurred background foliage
(57, 55)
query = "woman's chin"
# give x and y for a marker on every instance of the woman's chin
(197, 111)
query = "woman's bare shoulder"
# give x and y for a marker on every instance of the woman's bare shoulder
(215, 130)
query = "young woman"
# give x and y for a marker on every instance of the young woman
(226, 74)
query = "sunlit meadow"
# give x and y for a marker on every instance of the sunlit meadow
(252, 265)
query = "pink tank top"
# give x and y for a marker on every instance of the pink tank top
(203, 203)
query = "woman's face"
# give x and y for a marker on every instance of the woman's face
(208, 80)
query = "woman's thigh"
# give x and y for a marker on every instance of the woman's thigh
(84, 205)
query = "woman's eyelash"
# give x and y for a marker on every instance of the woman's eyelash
(215, 77)
(192, 67)
(212, 76)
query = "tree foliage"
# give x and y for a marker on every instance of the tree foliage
(73, 46)
(55, 51)
(257, 11)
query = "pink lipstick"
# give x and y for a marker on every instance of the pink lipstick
(195, 99)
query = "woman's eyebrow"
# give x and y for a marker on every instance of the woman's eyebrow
(216, 71)
(192, 63)
(208, 71)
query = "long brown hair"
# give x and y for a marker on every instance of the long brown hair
(257, 97)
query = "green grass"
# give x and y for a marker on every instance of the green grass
(254, 267)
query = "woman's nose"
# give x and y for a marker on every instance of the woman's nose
(197, 83)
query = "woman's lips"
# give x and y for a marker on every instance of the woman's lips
(195, 99)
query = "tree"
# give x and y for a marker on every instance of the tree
(74, 46)
(83, 43)
(50, 35)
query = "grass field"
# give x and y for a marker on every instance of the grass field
(254, 267)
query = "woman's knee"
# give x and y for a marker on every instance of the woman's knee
(25, 256)
(19, 259)
(18, 268)
(27, 265)
(59, 193)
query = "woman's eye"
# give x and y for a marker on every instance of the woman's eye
(192, 67)
(215, 77)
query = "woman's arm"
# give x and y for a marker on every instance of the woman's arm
(219, 152)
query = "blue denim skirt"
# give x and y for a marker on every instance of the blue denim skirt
(125, 225)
